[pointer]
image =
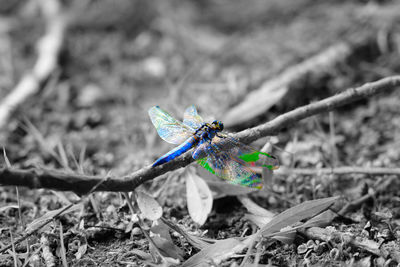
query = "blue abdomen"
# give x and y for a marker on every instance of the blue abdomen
(177, 151)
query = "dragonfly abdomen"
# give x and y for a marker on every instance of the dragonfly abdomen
(177, 151)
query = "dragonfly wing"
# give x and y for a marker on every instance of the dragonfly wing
(191, 118)
(168, 127)
(246, 154)
(227, 167)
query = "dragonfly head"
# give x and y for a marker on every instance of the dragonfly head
(218, 125)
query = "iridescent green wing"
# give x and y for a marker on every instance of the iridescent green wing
(191, 118)
(168, 127)
(233, 161)
(253, 158)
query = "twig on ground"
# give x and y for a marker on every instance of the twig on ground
(325, 105)
(330, 234)
(259, 101)
(358, 202)
(374, 171)
(49, 47)
(51, 179)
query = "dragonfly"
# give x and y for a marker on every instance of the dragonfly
(216, 151)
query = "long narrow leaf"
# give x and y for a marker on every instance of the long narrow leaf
(297, 213)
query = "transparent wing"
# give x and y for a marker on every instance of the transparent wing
(168, 127)
(253, 158)
(227, 167)
(240, 152)
(234, 161)
(191, 118)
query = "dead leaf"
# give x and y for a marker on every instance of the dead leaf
(215, 253)
(258, 220)
(286, 236)
(195, 241)
(148, 206)
(253, 208)
(297, 213)
(199, 198)
(321, 220)
(159, 232)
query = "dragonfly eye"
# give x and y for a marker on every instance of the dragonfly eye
(218, 125)
(221, 125)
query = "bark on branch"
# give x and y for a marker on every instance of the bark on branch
(51, 179)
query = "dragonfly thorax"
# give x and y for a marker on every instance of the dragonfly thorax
(218, 125)
(207, 131)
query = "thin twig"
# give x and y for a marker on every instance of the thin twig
(49, 47)
(358, 202)
(51, 179)
(330, 234)
(373, 171)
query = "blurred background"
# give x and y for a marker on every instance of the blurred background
(88, 71)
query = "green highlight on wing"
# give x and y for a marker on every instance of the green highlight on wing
(203, 163)
(272, 163)
(249, 182)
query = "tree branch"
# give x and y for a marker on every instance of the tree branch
(36, 178)
(49, 47)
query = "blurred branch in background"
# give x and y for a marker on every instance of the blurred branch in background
(341, 170)
(48, 47)
(51, 179)
(274, 90)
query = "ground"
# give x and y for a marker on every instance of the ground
(120, 59)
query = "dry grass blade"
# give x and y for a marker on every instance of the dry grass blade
(63, 253)
(14, 254)
(44, 145)
(5, 208)
(38, 225)
(35, 225)
(8, 164)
